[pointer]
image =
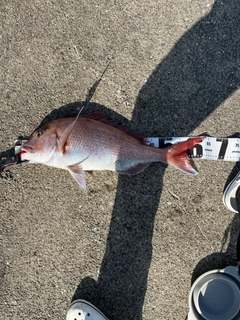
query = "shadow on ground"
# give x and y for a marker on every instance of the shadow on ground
(224, 258)
(199, 73)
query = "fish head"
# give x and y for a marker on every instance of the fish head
(41, 145)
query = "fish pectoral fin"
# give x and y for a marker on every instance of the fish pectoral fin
(133, 170)
(78, 175)
(63, 143)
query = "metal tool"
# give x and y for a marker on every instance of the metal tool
(4, 163)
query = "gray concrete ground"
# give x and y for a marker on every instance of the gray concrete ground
(130, 245)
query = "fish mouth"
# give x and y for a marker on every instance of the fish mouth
(26, 149)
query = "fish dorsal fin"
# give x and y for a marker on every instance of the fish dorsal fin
(66, 133)
(101, 117)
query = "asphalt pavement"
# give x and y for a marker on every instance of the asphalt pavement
(130, 245)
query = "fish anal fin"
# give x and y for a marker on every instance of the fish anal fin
(78, 175)
(101, 117)
(134, 170)
(177, 155)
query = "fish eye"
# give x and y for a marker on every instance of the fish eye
(39, 133)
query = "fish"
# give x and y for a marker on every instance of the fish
(95, 142)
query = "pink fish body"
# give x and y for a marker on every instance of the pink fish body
(95, 143)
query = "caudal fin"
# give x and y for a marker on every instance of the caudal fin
(177, 155)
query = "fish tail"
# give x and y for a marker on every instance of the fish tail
(178, 155)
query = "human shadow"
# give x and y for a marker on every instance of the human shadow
(199, 73)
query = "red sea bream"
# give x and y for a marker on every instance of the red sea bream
(95, 143)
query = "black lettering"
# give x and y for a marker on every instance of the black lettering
(223, 148)
(196, 152)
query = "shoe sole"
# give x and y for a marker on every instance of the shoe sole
(229, 195)
(84, 310)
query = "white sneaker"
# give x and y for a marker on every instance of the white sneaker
(84, 310)
(229, 195)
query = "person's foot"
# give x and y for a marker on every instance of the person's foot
(84, 310)
(231, 195)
